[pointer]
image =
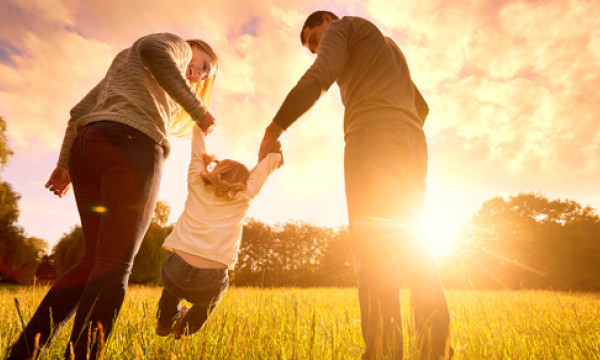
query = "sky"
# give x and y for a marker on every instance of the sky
(512, 88)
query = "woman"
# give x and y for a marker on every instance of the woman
(113, 152)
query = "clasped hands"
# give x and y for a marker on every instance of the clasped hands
(207, 123)
(270, 142)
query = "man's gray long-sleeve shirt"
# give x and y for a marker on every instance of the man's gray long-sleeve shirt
(371, 72)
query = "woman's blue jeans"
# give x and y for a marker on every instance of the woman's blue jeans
(385, 167)
(204, 288)
(115, 171)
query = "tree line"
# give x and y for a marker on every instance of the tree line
(20, 255)
(528, 241)
(290, 254)
(523, 241)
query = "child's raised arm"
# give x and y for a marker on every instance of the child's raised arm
(264, 168)
(200, 158)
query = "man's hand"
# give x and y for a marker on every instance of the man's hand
(207, 123)
(277, 149)
(269, 142)
(59, 181)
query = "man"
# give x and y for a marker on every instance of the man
(385, 164)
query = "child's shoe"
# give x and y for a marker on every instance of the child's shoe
(163, 330)
(178, 328)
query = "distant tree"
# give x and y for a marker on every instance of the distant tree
(531, 241)
(69, 250)
(46, 272)
(5, 151)
(337, 265)
(162, 210)
(146, 266)
(148, 261)
(255, 254)
(293, 254)
(19, 255)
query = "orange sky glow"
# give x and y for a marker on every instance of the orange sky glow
(512, 87)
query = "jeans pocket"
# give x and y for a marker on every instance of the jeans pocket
(171, 274)
(206, 284)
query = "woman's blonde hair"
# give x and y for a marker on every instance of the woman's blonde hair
(182, 125)
(228, 177)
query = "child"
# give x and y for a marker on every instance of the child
(206, 238)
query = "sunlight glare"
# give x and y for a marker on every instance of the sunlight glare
(439, 232)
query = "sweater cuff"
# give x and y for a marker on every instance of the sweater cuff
(65, 149)
(63, 159)
(198, 112)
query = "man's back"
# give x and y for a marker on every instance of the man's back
(371, 71)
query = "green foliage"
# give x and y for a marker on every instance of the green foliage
(69, 250)
(9, 211)
(161, 213)
(530, 241)
(293, 254)
(5, 151)
(147, 263)
(525, 241)
(19, 255)
(146, 267)
(46, 272)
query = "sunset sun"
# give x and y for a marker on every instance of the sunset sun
(439, 229)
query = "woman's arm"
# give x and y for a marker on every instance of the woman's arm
(164, 55)
(82, 108)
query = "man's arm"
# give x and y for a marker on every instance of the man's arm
(420, 105)
(270, 140)
(330, 61)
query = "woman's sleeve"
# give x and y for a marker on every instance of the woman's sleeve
(167, 56)
(261, 172)
(82, 108)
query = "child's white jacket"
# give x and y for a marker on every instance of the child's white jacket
(211, 227)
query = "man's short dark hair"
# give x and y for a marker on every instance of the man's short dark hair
(315, 19)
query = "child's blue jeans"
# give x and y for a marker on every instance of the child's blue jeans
(204, 288)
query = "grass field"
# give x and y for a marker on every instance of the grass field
(324, 323)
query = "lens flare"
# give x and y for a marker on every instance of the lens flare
(99, 209)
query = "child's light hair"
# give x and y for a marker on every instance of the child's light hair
(182, 125)
(228, 177)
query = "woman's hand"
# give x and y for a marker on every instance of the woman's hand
(207, 123)
(59, 181)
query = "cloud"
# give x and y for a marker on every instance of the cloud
(511, 86)
(512, 79)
